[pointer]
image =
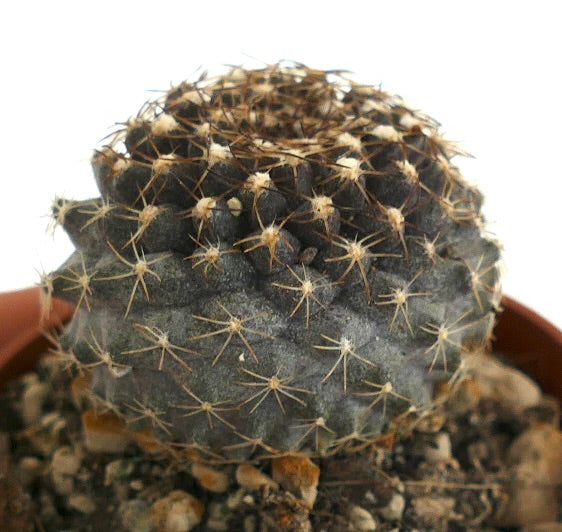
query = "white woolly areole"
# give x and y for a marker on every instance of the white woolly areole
(409, 121)
(120, 165)
(163, 163)
(148, 214)
(218, 153)
(203, 208)
(164, 124)
(298, 74)
(322, 207)
(203, 130)
(395, 219)
(262, 143)
(60, 207)
(347, 139)
(258, 182)
(262, 89)
(349, 168)
(386, 133)
(238, 74)
(195, 96)
(374, 105)
(408, 170)
(134, 122)
(293, 157)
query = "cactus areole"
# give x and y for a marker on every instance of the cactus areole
(280, 260)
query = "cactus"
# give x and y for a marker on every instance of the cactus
(280, 260)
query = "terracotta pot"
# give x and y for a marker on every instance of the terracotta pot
(21, 330)
(531, 344)
(524, 338)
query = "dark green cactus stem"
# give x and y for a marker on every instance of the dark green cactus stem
(280, 260)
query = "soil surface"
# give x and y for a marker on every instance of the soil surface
(486, 456)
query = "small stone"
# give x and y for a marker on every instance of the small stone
(464, 396)
(135, 516)
(16, 507)
(394, 509)
(535, 460)
(104, 433)
(156, 471)
(46, 505)
(116, 470)
(121, 490)
(32, 402)
(29, 468)
(249, 500)
(177, 512)
(218, 517)
(136, 484)
(298, 475)
(147, 440)
(361, 519)
(432, 511)
(431, 423)
(539, 451)
(64, 466)
(439, 449)
(82, 503)
(235, 499)
(252, 478)
(63, 484)
(249, 523)
(503, 384)
(543, 527)
(528, 504)
(210, 479)
(80, 390)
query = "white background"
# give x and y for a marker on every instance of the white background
(488, 71)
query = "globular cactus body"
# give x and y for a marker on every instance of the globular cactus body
(280, 260)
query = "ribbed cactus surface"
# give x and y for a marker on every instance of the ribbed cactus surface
(279, 260)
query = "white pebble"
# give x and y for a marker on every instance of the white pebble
(361, 519)
(394, 509)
